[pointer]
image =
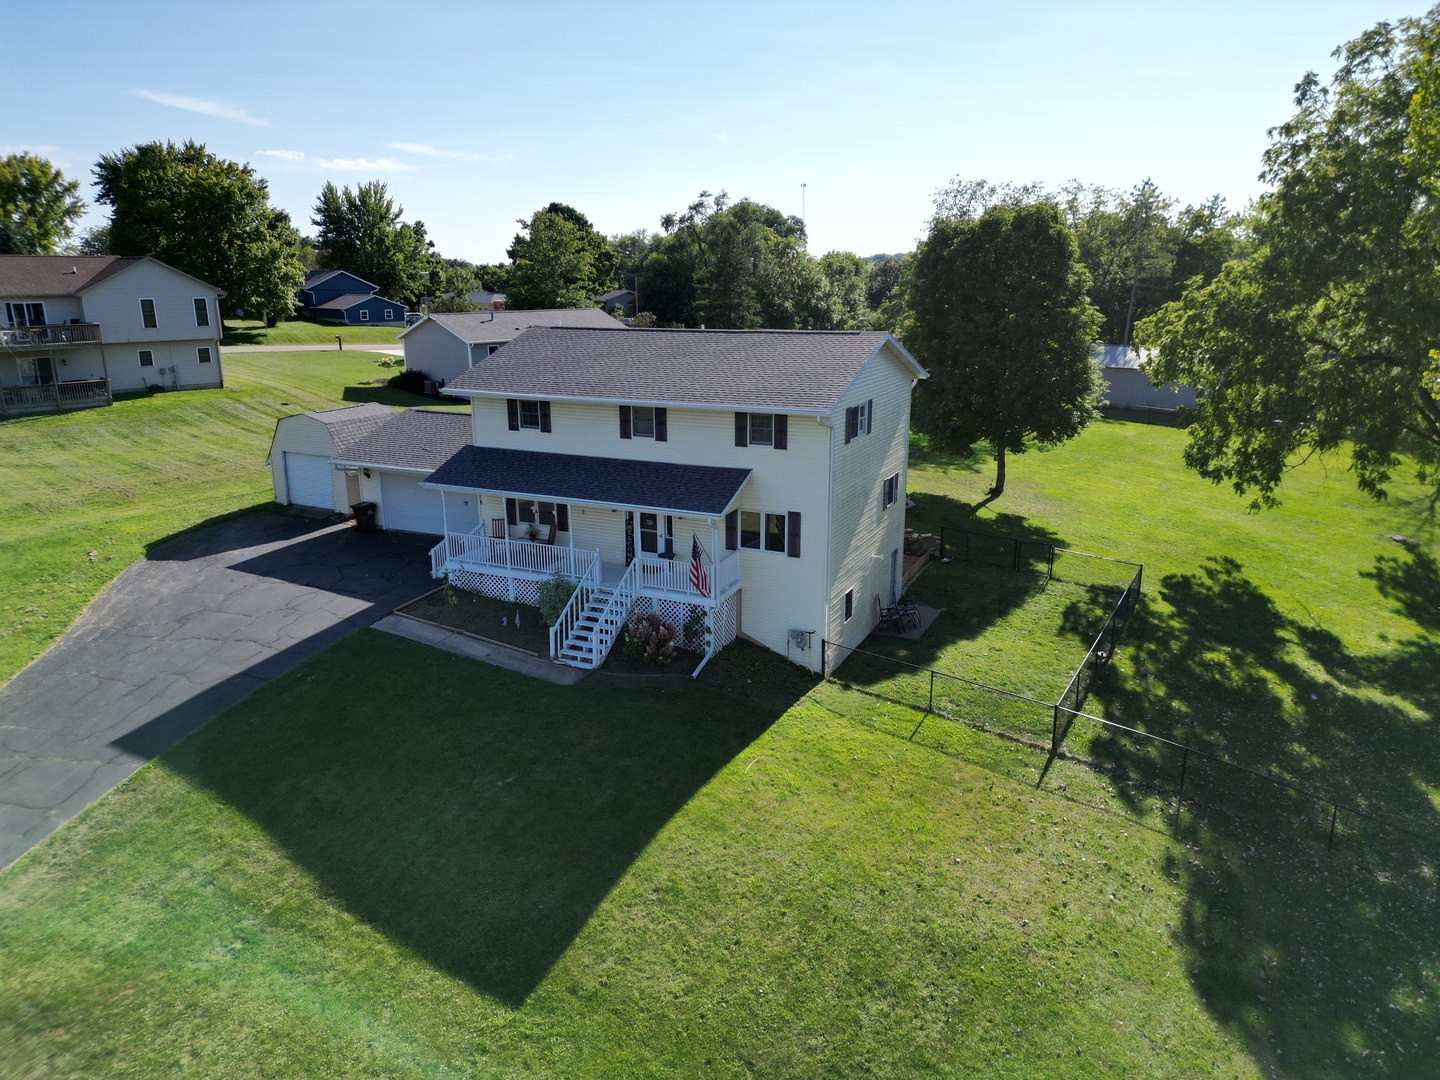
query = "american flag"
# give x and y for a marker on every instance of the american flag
(698, 581)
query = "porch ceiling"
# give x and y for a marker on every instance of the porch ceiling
(653, 485)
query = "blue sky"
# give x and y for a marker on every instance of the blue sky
(476, 114)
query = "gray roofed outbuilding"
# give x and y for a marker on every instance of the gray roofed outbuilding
(492, 326)
(773, 370)
(415, 440)
(653, 485)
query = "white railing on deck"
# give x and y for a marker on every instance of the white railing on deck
(560, 632)
(612, 621)
(673, 576)
(727, 574)
(47, 337)
(475, 549)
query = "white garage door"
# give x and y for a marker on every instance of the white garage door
(408, 507)
(307, 479)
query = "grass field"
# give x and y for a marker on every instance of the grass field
(394, 861)
(303, 332)
(82, 494)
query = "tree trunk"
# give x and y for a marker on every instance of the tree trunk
(999, 488)
(1130, 311)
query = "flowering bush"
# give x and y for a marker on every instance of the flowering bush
(651, 640)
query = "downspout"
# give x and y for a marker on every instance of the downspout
(714, 588)
(829, 425)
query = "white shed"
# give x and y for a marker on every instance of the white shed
(304, 446)
(446, 345)
(1127, 384)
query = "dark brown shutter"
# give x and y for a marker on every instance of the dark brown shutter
(511, 514)
(852, 420)
(545, 417)
(562, 517)
(869, 416)
(625, 421)
(513, 408)
(732, 530)
(662, 425)
(782, 432)
(742, 429)
(793, 547)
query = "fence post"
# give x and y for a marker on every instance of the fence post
(1184, 762)
(931, 707)
(824, 674)
(1015, 559)
(1055, 731)
(1050, 572)
(1334, 813)
(942, 541)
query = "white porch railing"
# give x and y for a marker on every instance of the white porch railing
(672, 577)
(49, 337)
(727, 575)
(476, 550)
(54, 397)
(564, 625)
(613, 621)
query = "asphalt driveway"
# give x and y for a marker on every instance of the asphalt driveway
(180, 635)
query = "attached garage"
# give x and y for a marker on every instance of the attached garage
(407, 507)
(304, 447)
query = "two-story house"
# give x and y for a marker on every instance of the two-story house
(342, 298)
(77, 329)
(756, 475)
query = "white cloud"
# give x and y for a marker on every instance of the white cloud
(25, 148)
(360, 164)
(724, 137)
(426, 150)
(200, 105)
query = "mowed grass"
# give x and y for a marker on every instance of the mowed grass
(304, 332)
(398, 862)
(82, 494)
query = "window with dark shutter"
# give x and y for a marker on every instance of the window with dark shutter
(625, 421)
(513, 408)
(742, 429)
(147, 314)
(782, 432)
(793, 547)
(732, 530)
(662, 425)
(852, 422)
(512, 515)
(869, 417)
(849, 604)
(202, 312)
(545, 417)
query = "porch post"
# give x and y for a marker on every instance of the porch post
(445, 512)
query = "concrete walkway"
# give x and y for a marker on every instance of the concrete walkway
(465, 645)
(180, 635)
(396, 349)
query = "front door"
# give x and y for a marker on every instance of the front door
(650, 534)
(629, 537)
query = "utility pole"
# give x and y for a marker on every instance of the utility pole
(802, 204)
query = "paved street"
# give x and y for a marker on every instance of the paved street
(180, 635)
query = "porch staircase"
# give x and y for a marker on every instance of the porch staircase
(595, 630)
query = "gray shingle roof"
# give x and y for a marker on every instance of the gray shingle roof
(413, 439)
(780, 370)
(353, 422)
(657, 485)
(473, 326)
(349, 300)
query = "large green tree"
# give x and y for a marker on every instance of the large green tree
(1325, 333)
(361, 232)
(553, 263)
(38, 206)
(999, 314)
(206, 216)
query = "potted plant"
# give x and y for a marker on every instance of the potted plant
(532, 532)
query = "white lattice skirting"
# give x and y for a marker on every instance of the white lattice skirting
(727, 618)
(497, 586)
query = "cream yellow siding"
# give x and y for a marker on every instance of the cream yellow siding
(301, 434)
(863, 533)
(778, 593)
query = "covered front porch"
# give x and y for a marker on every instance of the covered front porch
(656, 543)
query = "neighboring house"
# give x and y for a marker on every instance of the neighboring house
(1127, 385)
(77, 329)
(493, 301)
(777, 459)
(446, 345)
(339, 297)
(303, 447)
(617, 302)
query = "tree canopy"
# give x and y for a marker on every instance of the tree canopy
(361, 232)
(38, 206)
(204, 215)
(558, 260)
(1325, 333)
(998, 312)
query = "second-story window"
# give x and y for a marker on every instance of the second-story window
(147, 314)
(531, 415)
(858, 419)
(644, 421)
(25, 314)
(202, 312)
(762, 429)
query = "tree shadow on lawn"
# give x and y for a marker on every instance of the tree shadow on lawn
(1319, 960)
(473, 815)
(388, 395)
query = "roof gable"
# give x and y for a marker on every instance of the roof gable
(416, 439)
(473, 327)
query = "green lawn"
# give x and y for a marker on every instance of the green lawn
(304, 332)
(82, 494)
(394, 861)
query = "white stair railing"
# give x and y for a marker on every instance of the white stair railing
(560, 632)
(612, 621)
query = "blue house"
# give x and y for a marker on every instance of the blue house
(339, 297)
